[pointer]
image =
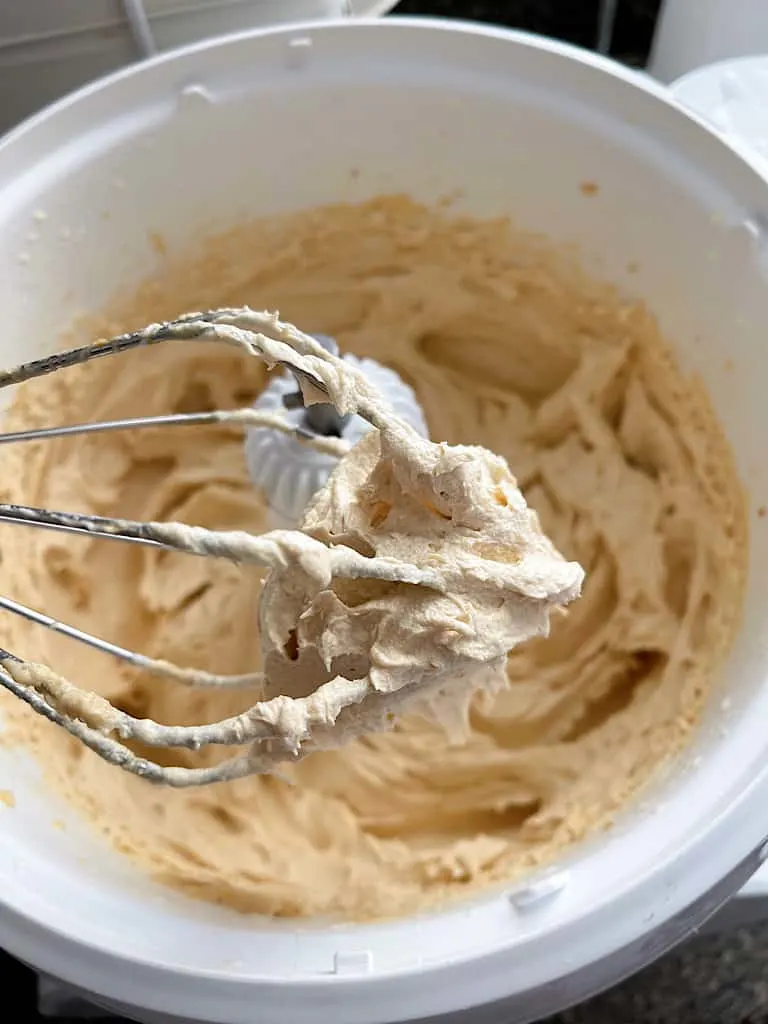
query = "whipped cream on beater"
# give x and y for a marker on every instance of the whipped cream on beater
(417, 568)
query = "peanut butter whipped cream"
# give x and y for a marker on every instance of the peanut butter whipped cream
(509, 346)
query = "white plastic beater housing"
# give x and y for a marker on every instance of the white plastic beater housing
(512, 125)
(289, 472)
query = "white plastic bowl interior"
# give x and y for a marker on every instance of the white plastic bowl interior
(516, 124)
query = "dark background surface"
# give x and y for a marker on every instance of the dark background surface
(575, 21)
(714, 980)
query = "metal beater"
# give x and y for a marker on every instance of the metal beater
(281, 728)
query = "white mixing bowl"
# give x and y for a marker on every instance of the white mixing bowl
(516, 123)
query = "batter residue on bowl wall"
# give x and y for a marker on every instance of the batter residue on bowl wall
(508, 345)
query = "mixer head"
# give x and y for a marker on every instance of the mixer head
(477, 575)
(288, 472)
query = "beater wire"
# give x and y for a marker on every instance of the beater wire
(158, 666)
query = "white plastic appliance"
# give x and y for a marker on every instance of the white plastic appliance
(516, 124)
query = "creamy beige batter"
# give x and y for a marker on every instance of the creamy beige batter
(508, 345)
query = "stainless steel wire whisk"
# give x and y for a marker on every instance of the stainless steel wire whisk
(333, 407)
